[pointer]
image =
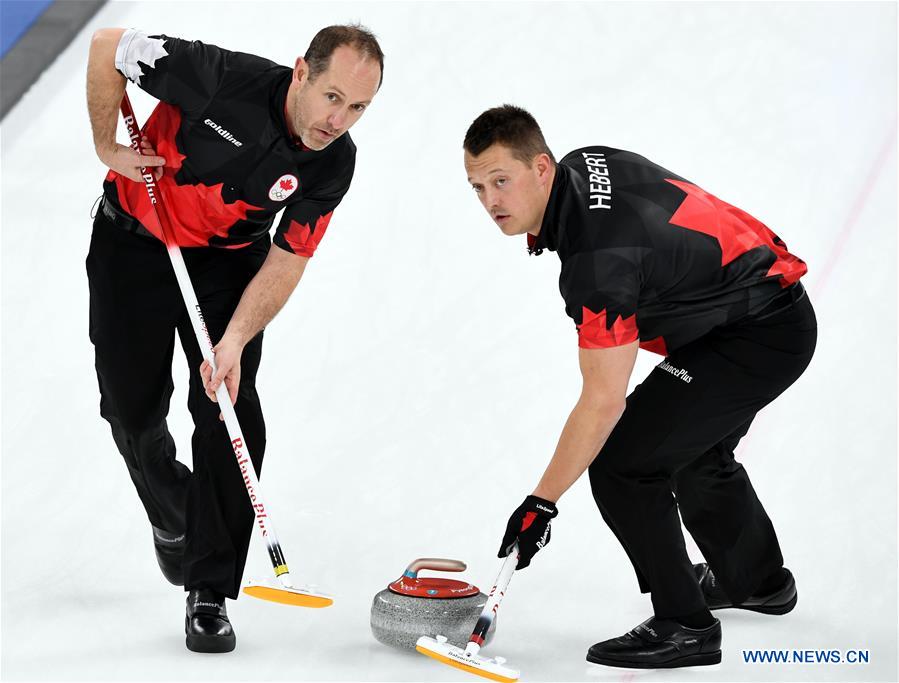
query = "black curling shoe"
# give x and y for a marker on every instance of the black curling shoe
(206, 623)
(169, 554)
(778, 601)
(660, 644)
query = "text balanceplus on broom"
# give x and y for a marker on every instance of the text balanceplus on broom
(651, 260)
(234, 140)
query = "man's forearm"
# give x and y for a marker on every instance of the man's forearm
(585, 433)
(105, 87)
(266, 294)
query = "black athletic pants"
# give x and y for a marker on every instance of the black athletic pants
(135, 309)
(673, 449)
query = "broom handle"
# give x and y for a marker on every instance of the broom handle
(493, 600)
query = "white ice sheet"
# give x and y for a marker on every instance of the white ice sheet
(416, 383)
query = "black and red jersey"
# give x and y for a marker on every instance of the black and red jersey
(231, 163)
(649, 255)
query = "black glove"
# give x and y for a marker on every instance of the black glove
(529, 525)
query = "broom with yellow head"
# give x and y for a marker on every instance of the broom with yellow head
(281, 589)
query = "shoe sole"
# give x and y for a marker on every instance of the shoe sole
(699, 659)
(764, 609)
(217, 644)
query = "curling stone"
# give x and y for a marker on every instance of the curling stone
(411, 607)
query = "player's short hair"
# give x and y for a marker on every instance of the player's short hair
(356, 36)
(510, 126)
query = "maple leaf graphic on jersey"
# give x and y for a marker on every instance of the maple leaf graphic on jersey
(140, 48)
(302, 239)
(595, 333)
(736, 231)
(286, 184)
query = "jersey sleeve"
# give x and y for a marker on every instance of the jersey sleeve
(601, 291)
(184, 73)
(304, 223)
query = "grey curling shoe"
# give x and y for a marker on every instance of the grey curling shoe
(411, 607)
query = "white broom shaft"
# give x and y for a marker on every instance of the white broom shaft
(488, 614)
(502, 582)
(238, 443)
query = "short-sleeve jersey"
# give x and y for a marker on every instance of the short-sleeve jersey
(647, 255)
(231, 163)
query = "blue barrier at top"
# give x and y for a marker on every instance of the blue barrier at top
(16, 16)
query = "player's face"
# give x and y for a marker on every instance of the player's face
(327, 107)
(509, 189)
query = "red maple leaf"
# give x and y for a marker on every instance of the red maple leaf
(286, 184)
(195, 213)
(736, 231)
(302, 239)
(594, 333)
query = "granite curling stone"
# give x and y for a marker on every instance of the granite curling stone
(411, 607)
